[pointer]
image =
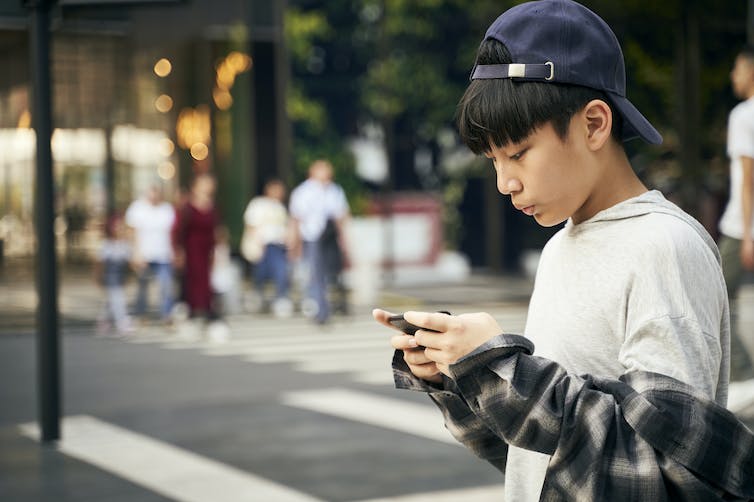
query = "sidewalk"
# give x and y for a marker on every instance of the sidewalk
(79, 299)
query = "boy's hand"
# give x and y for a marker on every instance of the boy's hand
(458, 335)
(419, 364)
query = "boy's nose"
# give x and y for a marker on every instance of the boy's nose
(508, 185)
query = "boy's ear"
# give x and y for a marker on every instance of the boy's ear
(599, 123)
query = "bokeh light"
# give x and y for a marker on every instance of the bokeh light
(167, 147)
(166, 170)
(163, 103)
(163, 67)
(199, 151)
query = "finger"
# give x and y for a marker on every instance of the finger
(430, 339)
(382, 316)
(436, 321)
(403, 342)
(416, 357)
(439, 357)
(427, 372)
(443, 368)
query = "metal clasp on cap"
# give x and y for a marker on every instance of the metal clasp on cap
(516, 70)
(552, 70)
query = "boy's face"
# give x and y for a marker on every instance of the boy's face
(546, 177)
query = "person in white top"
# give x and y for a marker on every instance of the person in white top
(737, 224)
(151, 219)
(319, 211)
(265, 241)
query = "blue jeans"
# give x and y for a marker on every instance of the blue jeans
(164, 274)
(273, 266)
(317, 286)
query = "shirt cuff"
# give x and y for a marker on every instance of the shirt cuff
(404, 379)
(503, 345)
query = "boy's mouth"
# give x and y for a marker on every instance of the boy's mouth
(528, 210)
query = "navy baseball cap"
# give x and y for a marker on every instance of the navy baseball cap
(563, 41)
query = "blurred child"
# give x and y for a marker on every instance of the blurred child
(111, 272)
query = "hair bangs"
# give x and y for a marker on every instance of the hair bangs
(499, 112)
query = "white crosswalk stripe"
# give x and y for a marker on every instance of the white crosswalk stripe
(357, 347)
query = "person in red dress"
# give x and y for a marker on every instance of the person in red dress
(194, 238)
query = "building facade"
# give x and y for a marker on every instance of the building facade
(154, 92)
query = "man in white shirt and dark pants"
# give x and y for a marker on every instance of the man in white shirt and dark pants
(312, 204)
(151, 219)
(737, 224)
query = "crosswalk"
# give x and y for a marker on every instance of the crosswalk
(355, 346)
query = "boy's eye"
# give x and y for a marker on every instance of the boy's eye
(518, 155)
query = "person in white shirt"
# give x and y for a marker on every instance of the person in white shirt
(737, 224)
(265, 242)
(151, 219)
(319, 210)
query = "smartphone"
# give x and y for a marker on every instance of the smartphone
(410, 329)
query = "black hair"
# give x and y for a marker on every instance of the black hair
(497, 112)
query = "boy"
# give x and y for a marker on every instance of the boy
(629, 295)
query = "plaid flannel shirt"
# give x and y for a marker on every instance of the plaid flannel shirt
(644, 437)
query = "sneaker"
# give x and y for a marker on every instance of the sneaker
(179, 313)
(741, 395)
(282, 308)
(309, 308)
(126, 327)
(218, 332)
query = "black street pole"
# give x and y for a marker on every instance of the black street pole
(48, 356)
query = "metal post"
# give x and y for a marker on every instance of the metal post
(48, 357)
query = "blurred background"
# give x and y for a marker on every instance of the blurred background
(161, 90)
(251, 89)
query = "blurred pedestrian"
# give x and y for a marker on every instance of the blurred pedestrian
(194, 239)
(152, 219)
(264, 244)
(627, 334)
(319, 211)
(737, 223)
(76, 217)
(111, 271)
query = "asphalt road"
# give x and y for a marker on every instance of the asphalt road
(281, 411)
(243, 404)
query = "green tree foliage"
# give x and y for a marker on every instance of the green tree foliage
(405, 63)
(315, 136)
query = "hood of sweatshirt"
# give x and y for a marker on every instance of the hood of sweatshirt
(650, 202)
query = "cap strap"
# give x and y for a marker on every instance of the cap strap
(514, 70)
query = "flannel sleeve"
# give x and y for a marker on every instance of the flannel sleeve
(599, 432)
(461, 422)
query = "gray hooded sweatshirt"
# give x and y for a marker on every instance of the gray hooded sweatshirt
(638, 286)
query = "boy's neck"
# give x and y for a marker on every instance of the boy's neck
(617, 183)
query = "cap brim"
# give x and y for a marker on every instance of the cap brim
(635, 125)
